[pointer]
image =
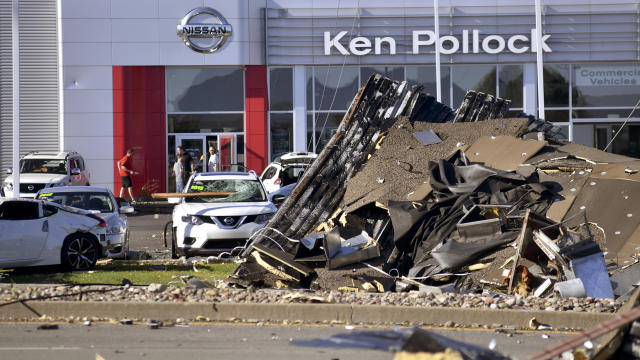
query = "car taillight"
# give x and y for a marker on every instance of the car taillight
(277, 182)
(101, 223)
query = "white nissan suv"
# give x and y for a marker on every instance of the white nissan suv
(219, 212)
(39, 170)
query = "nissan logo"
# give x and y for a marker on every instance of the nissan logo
(30, 187)
(228, 220)
(204, 30)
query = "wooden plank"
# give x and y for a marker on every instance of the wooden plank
(192, 195)
(284, 258)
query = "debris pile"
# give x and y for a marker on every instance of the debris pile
(411, 195)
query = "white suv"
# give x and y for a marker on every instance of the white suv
(39, 170)
(234, 207)
(286, 169)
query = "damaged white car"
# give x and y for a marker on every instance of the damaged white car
(37, 232)
(221, 212)
(114, 238)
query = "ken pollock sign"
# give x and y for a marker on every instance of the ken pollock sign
(448, 44)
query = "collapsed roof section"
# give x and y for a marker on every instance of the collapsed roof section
(404, 190)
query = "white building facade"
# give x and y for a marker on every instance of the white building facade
(272, 76)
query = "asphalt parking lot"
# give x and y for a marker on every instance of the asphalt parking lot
(146, 229)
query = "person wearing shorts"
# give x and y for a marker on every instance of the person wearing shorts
(124, 168)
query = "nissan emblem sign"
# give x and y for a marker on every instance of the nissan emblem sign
(228, 220)
(204, 30)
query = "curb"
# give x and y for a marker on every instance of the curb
(303, 313)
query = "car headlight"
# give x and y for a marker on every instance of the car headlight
(8, 186)
(192, 220)
(113, 230)
(263, 218)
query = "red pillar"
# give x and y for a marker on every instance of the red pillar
(139, 117)
(256, 107)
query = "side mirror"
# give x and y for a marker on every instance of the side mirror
(75, 171)
(126, 209)
(278, 199)
(9, 171)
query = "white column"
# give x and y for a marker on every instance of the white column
(436, 22)
(529, 88)
(15, 44)
(299, 109)
(539, 63)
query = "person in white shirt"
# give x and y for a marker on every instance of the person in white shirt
(178, 171)
(214, 159)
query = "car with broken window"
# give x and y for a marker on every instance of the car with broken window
(39, 170)
(218, 212)
(114, 238)
(39, 232)
(286, 169)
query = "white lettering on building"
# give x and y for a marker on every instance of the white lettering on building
(448, 44)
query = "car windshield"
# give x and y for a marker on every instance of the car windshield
(100, 201)
(227, 190)
(45, 166)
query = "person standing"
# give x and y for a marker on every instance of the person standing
(187, 162)
(214, 159)
(124, 168)
(178, 171)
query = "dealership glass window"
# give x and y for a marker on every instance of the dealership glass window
(205, 123)
(627, 142)
(557, 116)
(481, 78)
(426, 76)
(325, 126)
(334, 87)
(205, 89)
(281, 88)
(606, 85)
(281, 132)
(556, 85)
(389, 71)
(510, 84)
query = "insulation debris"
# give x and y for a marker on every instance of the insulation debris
(462, 200)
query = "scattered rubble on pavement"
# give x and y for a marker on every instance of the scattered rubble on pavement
(411, 195)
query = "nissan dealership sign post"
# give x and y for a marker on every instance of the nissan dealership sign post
(470, 42)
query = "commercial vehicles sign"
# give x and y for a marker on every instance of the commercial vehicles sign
(422, 39)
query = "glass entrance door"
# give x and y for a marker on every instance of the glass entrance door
(227, 152)
(195, 146)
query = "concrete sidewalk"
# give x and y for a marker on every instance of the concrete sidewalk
(301, 313)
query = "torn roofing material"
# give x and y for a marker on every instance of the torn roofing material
(453, 205)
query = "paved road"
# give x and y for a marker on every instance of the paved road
(212, 341)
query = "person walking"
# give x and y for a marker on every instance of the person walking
(214, 159)
(178, 171)
(187, 161)
(124, 168)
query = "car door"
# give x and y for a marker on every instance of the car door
(24, 231)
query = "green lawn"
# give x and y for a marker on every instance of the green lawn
(113, 274)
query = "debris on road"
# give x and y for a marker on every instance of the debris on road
(413, 343)
(411, 195)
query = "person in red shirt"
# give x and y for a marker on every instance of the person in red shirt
(124, 168)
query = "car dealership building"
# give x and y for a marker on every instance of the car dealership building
(258, 78)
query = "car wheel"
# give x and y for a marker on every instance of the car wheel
(174, 244)
(125, 248)
(80, 251)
